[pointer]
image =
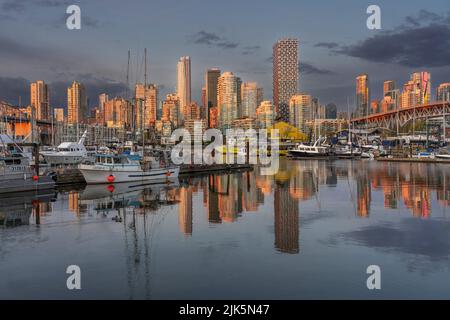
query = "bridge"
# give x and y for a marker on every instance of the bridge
(401, 116)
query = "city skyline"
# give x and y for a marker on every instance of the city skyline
(329, 62)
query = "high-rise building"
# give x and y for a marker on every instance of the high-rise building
(388, 86)
(39, 97)
(76, 103)
(102, 98)
(228, 99)
(191, 112)
(300, 111)
(58, 114)
(362, 95)
(249, 103)
(330, 111)
(443, 92)
(285, 75)
(184, 82)
(171, 109)
(374, 106)
(259, 96)
(211, 81)
(117, 113)
(417, 90)
(146, 105)
(265, 114)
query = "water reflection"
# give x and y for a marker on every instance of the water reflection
(227, 197)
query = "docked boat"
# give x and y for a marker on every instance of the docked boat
(443, 153)
(348, 151)
(67, 153)
(17, 175)
(109, 168)
(306, 151)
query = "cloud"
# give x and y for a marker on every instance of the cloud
(13, 6)
(422, 40)
(12, 88)
(212, 40)
(407, 238)
(250, 50)
(307, 68)
(329, 45)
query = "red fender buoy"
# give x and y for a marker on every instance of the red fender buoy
(111, 178)
(111, 188)
(35, 178)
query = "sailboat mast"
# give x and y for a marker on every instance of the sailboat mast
(145, 103)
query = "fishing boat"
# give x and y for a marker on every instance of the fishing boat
(306, 151)
(17, 175)
(67, 153)
(109, 168)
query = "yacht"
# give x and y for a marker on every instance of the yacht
(67, 153)
(16, 175)
(109, 168)
(306, 151)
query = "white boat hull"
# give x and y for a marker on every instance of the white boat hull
(94, 175)
(62, 159)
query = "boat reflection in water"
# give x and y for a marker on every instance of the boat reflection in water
(313, 220)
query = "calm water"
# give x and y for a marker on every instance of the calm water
(308, 232)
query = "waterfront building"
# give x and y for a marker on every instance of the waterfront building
(417, 90)
(117, 113)
(213, 117)
(259, 96)
(300, 111)
(146, 102)
(76, 103)
(362, 95)
(374, 106)
(211, 81)
(170, 109)
(58, 114)
(184, 83)
(285, 75)
(40, 99)
(443, 92)
(245, 123)
(102, 98)
(265, 114)
(228, 99)
(249, 101)
(191, 112)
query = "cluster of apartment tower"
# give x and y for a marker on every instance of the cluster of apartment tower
(228, 102)
(416, 92)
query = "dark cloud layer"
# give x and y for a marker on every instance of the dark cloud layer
(307, 68)
(213, 40)
(422, 41)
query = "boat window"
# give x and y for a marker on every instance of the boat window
(116, 160)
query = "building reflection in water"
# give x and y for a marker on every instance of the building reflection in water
(227, 198)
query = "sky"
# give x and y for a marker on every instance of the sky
(335, 44)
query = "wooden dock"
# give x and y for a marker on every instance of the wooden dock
(66, 176)
(414, 160)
